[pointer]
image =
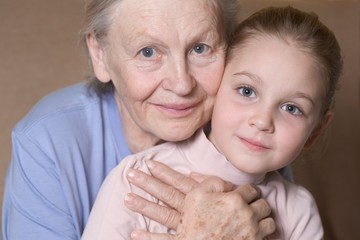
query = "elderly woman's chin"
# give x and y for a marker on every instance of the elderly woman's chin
(178, 131)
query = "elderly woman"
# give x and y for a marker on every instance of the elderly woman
(158, 66)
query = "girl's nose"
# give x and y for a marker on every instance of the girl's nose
(262, 121)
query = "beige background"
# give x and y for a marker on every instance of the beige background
(39, 52)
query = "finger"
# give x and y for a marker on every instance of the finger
(214, 184)
(143, 235)
(164, 215)
(248, 192)
(171, 177)
(261, 209)
(168, 194)
(198, 177)
(266, 227)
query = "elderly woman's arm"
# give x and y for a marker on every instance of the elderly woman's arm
(211, 209)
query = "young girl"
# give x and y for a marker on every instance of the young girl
(276, 97)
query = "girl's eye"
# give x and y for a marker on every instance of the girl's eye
(247, 92)
(292, 109)
(201, 48)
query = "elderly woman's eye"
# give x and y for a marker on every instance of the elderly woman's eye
(148, 52)
(200, 48)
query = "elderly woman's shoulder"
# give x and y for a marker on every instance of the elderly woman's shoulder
(67, 100)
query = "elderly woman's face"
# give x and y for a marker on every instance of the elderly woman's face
(166, 60)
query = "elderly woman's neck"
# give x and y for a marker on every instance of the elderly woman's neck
(136, 138)
(138, 142)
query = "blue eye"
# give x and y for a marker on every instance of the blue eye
(292, 109)
(148, 52)
(247, 92)
(200, 48)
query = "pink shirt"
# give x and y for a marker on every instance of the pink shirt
(293, 207)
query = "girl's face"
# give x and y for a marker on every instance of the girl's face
(269, 105)
(166, 60)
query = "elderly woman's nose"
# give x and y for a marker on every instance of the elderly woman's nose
(178, 78)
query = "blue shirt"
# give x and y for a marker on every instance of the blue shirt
(62, 151)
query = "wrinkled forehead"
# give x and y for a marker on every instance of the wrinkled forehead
(160, 10)
(160, 17)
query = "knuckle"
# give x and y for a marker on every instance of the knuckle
(170, 219)
(233, 202)
(182, 183)
(271, 226)
(169, 195)
(235, 199)
(264, 205)
(267, 227)
(217, 184)
(194, 195)
(173, 198)
(249, 189)
(251, 215)
(213, 180)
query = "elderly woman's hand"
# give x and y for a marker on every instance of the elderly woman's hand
(212, 209)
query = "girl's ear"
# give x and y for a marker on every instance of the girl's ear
(320, 128)
(98, 60)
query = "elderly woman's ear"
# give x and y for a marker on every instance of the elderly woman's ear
(98, 58)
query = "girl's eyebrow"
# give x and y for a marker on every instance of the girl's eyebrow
(304, 96)
(255, 78)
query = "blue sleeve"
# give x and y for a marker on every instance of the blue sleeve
(62, 150)
(34, 202)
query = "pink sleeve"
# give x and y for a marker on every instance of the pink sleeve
(306, 222)
(293, 208)
(109, 218)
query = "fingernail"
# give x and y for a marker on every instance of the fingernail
(135, 234)
(131, 174)
(129, 199)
